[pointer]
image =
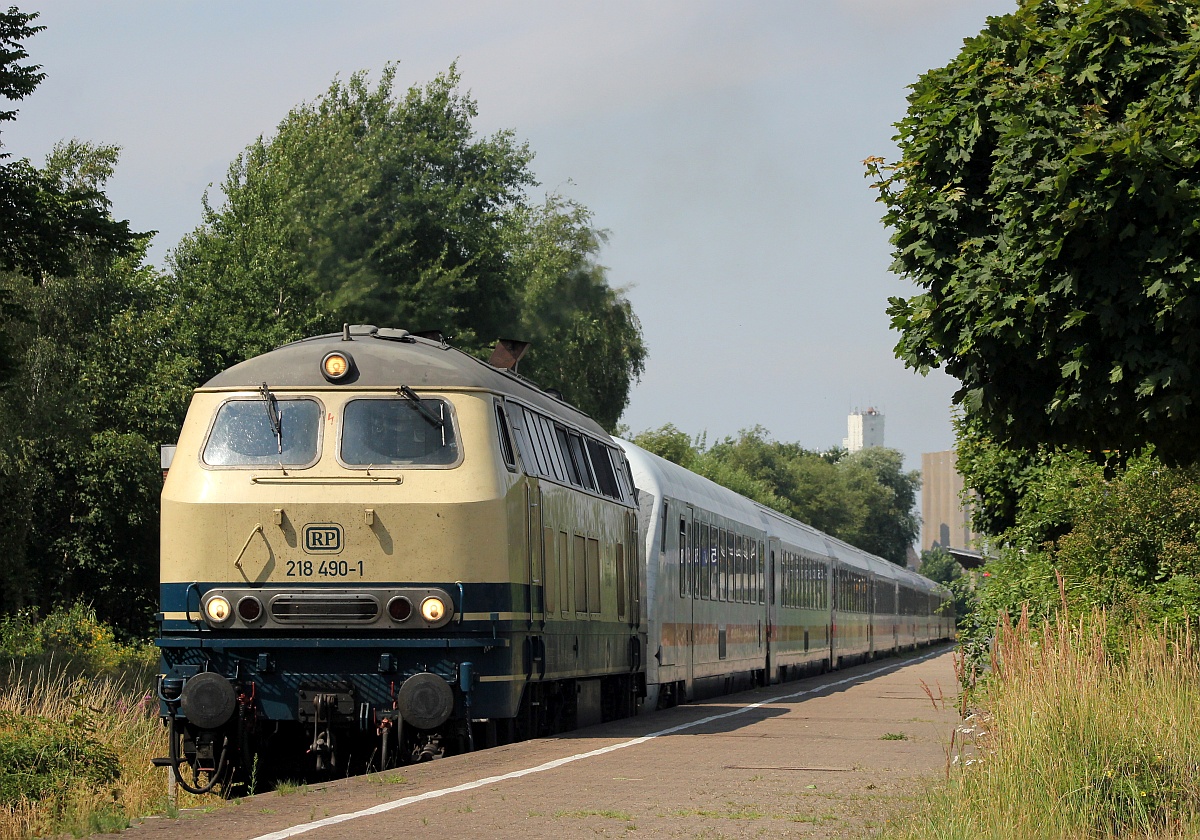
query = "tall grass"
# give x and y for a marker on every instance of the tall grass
(1075, 737)
(78, 728)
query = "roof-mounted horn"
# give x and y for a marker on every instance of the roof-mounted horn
(508, 353)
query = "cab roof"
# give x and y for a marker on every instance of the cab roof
(389, 358)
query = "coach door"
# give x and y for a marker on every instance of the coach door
(687, 587)
(773, 552)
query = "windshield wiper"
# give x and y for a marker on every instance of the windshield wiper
(273, 414)
(414, 400)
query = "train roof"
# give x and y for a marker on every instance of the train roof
(674, 480)
(389, 358)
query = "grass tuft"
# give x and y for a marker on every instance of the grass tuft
(1071, 739)
(78, 728)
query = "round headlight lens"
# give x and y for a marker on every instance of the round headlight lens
(249, 609)
(399, 608)
(432, 609)
(335, 366)
(217, 609)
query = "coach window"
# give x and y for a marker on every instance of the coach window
(683, 564)
(760, 572)
(705, 563)
(665, 525)
(266, 432)
(807, 582)
(723, 564)
(735, 587)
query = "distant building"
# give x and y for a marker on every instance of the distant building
(863, 429)
(944, 520)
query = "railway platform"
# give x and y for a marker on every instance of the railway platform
(829, 756)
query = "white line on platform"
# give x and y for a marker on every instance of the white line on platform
(559, 762)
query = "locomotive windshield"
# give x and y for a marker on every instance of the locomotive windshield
(245, 434)
(398, 432)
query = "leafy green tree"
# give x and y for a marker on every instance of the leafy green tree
(1046, 200)
(890, 524)
(937, 564)
(367, 207)
(864, 498)
(586, 339)
(1123, 539)
(102, 380)
(677, 447)
(44, 220)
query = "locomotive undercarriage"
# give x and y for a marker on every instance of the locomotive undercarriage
(236, 722)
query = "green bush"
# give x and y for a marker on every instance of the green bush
(72, 638)
(1089, 536)
(39, 757)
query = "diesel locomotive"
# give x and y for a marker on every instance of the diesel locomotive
(378, 549)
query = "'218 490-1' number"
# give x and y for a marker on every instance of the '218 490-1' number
(323, 568)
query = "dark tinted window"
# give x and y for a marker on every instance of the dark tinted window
(578, 455)
(606, 477)
(393, 432)
(506, 449)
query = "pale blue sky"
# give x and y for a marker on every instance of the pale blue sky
(720, 143)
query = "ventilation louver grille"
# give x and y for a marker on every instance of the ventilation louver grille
(318, 609)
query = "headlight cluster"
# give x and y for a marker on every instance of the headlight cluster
(401, 609)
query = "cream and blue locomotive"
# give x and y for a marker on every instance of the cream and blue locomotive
(377, 548)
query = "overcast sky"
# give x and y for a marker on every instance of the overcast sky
(720, 144)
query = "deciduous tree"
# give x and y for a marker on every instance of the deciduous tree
(1047, 202)
(372, 208)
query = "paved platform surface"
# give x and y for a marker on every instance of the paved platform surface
(831, 756)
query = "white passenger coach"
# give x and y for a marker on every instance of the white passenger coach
(738, 594)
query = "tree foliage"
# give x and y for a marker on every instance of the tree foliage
(864, 498)
(1047, 201)
(100, 382)
(366, 207)
(44, 220)
(937, 564)
(1122, 538)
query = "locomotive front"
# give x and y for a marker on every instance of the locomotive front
(336, 517)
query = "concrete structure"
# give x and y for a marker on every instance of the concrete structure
(944, 520)
(863, 428)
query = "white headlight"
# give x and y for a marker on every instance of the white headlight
(432, 609)
(217, 609)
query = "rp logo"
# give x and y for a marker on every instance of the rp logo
(323, 538)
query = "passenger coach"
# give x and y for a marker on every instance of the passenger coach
(740, 595)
